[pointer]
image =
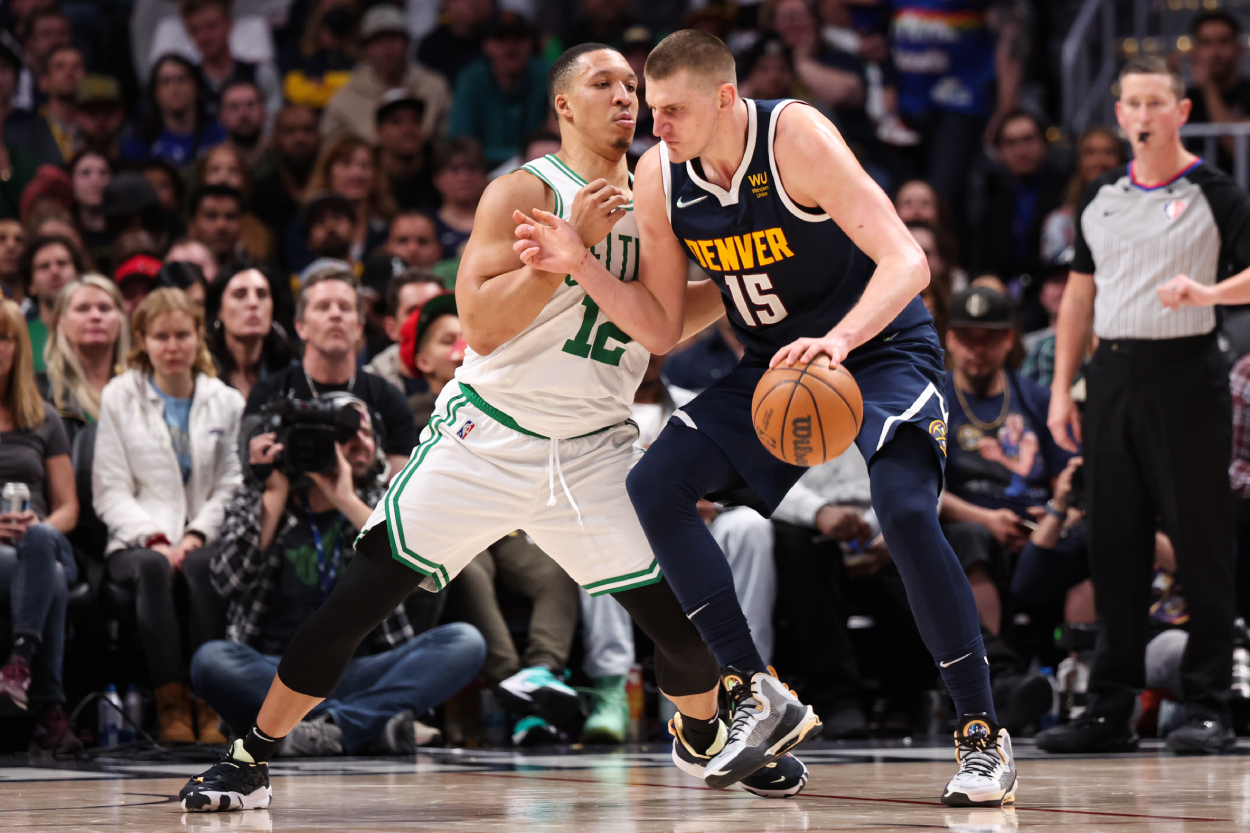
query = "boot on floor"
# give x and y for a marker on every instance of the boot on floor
(173, 714)
(206, 725)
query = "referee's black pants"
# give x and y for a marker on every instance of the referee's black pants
(1158, 440)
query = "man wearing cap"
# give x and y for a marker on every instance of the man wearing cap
(451, 46)
(100, 115)
(502, 96)
(1001, 458)
(135, 278)
(404, 153)
(384, 66)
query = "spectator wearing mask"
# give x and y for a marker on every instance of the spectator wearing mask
(321, 63)
(12, 243)
(283, 548)
(177, 127)
(48, 264)
(216, 221)
(224, 165)
(1220, 94)
(502, 96)
(89, 174)
(1002, 459)
(1008, 203)
(460, 177)
(246, 344)
(384, 66)
(329, 320)
(453, 44)
(135, 279)
(90, 341)
(403, 153)
(100, 116)
(350, 168)
(243, 116)
(166, 463)
(406, 293)
(209, 23)
(279, 186)
(62, 71)
(36, 562)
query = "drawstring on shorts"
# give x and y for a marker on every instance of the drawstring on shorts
(554, 471)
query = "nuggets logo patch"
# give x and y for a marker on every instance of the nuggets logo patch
(465, 429)
(977, 728)
(1174, 208)
(937, 430)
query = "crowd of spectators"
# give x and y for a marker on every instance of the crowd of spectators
(210, 205)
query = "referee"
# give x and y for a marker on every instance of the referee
(1152, 240)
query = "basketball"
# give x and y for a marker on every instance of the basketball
(806, 414)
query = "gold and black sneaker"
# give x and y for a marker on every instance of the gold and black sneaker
(987, 769)
(236, 783)
(781, 778)
(768, 721)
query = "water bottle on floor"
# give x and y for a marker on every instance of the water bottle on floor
(110, 724)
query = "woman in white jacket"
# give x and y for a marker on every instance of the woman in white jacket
(166, 463)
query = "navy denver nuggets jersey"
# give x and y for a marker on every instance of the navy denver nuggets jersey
(784, 271)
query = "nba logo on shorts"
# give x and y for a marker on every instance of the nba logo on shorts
(465, 429)
(1173, 208)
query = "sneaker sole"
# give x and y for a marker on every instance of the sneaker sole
(964, 800)
(212, 801)
(696, 771)
(552, 705)
(1181, 747)
(810, 724)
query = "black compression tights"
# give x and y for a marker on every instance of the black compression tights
(374, 584)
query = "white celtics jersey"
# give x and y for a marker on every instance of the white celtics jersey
(571, 371)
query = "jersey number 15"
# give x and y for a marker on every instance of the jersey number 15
(756, 303)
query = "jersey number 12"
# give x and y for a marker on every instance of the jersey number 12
(597, 349)
(765, 306)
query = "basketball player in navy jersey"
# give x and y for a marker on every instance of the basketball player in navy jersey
(810, 262)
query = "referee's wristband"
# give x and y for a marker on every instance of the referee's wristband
(1055, 511)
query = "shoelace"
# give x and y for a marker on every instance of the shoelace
(975, 757)
(553, 469)
(744, 708)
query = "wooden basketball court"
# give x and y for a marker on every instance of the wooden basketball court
(864, 787)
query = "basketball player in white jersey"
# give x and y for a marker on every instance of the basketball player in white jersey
(533, 433)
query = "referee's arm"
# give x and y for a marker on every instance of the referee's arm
(1076, 321)
(1230, 206)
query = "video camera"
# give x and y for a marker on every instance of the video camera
(308, 430)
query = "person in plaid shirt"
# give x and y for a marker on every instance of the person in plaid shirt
(281, 550)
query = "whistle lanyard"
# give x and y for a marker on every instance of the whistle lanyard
(328, 572)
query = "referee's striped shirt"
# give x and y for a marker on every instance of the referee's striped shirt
(1134, 238)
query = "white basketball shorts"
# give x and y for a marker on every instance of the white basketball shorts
(476, 476)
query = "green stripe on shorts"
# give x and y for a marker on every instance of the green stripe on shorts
(629, 581)
(400, 550)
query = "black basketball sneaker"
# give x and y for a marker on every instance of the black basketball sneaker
(768, 721)
(235, 783)
(781, 778)
(987, 769)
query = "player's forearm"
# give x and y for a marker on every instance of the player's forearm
(630, 306)
(704, 307)
(898, 279)
(1076, 317)
(495, 310)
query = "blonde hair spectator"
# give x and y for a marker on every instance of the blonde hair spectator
(162, 302)
(75, 392)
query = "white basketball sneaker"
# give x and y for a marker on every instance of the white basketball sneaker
(782, 778)
(768, 721)
(987, 770)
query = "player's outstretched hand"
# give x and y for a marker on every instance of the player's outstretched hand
(547, 243)
(828, 351)
(1184, 291)
(595, 210)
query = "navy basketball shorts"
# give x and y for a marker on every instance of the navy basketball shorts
(901, 378)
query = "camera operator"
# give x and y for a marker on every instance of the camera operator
(283, 546)
(329, 319)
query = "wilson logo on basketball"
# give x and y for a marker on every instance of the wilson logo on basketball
(801, 442)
